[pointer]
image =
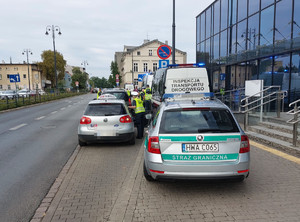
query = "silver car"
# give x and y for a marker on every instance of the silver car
(106, 120)
(8, 94)
(195, 139)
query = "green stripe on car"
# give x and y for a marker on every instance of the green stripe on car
(194, 138)
(202, 157)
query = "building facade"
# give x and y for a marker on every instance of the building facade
(29, 74)
(135, 60)
(251, 39)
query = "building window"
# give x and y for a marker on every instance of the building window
(266, 26)
(135, 67)
(150, 52)
(154, 66)
(8, 87)
(0, 76)
(16, 68)
(0, 68)
(145, 67)
(7, 76)
(138, 53)
(1, 87)
(7, 68)
(24, 76)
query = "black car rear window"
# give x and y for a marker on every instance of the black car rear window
(105, 110)
(198, 121)
(120, 95)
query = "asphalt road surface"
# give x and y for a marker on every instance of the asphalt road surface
(35, 143)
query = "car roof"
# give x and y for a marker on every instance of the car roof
(103, 101)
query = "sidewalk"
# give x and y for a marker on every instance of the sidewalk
(75, 197)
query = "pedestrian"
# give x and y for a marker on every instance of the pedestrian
(136, 89)
(147, 99)
(128, 92)
(98, 93)
(139, 110)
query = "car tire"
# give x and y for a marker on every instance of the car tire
(146, 174)
(81, 143)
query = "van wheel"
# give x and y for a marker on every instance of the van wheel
(146, 175)
(81, 143)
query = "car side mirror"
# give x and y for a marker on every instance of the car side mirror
(148, 116)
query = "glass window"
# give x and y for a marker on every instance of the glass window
(241, 75)
(224, 14)
(217, 17)
(198, 24)
(233, 42)
(281, 71)
(207, 50)
(265, 71)
(0, 76)
(216, 46)
(252, 70)
(154, 66)
(241, 36)
(150, 52)
(296, 27)
(266, 26)
(283, 20)
(242, 9)
(295, 78)
(138, 53)
(253, 6)
(253, 27)
(135, 67)
(223, 44)
(105, 110)
(232, 15)
(197, 121)
(202, 27)
(266, 3)
(208, 23)
(145, 67)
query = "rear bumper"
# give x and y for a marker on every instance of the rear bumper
(197, 170)
(119, 138)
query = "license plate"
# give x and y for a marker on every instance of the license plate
(200, 147)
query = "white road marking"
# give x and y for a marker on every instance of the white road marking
(54, 112)
(39, 118)
(18, 127)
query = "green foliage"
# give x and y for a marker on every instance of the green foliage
(114, 71)
(79, 76)
(47, 66)
(101, 83)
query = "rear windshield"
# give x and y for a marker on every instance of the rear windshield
(105, 110)
(198, 121)
(119, 95)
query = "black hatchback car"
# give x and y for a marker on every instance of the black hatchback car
(119, 94)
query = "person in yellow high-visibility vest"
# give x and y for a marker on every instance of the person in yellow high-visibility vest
(139, 110)
(98, 93)
(147, 99)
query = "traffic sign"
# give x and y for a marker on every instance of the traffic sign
(77, 83)
(14, 77)
(140, 77)
(163, 63)
(164, 51)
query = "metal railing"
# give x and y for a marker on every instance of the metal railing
(295, 111)
(232, 98)
(260, 100)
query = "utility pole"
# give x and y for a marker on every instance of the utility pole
(23, 53)
(173, 34)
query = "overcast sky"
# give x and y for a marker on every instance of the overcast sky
(93, 30)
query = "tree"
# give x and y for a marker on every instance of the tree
(47, 66)
(101, 83)
(80, 77)
(114, 71)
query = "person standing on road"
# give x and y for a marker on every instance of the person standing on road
(148, 97)
(98, 93)
(139, 110)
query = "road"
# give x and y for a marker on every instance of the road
(35, 143)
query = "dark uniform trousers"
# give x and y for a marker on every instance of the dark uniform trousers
(139, 118)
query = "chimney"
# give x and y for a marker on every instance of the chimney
(166, 42)
(146, 41)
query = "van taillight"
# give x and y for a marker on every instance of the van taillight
(245, 145)
(153, 145)
(126, 119)
(85, 120)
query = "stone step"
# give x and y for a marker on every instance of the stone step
(272, 133)
(274, 143)
(277, 126)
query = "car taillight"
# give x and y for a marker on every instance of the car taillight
(153, 145)
(245, 145)
(85, 120)
(126, 119)
(129, 102)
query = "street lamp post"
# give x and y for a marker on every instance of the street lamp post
(53, 29)
(23, 53)
(84, 63)
(173, 34)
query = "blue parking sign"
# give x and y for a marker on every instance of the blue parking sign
(14, 78)
(163, 63)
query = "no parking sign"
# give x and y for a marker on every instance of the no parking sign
(164, 51)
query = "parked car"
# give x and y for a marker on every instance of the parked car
(23, 93)
(194, 138)
(106, 119)
(41, 92)
(8, 94)
(119, 94)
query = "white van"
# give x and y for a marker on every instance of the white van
(147, 80)
(129, 86)
(179, 80)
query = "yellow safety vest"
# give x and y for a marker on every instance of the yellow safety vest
(148, 96)
(128, 92)
(139, 107)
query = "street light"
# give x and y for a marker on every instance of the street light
(84, 63)
(53, 29)
(23, 53)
